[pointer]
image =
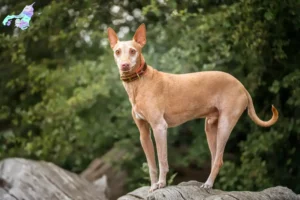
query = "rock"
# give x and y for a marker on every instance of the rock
(103, 183)
(191, 191)
(22, 179)
(108, 165)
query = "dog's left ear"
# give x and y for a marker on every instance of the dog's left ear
(140, 35)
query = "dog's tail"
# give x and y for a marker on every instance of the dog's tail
(255, 118)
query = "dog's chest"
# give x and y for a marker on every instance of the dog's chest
(134, 98)
(138, 113)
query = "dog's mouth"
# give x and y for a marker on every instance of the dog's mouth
(126, 69)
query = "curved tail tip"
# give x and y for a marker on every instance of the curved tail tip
(275, 112)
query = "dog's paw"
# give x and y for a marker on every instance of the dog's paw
(206, 186)
(153, 187)
(158, 185)
(161, 184)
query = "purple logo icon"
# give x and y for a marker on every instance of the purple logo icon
(22, 20)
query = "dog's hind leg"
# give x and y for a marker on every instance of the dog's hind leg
(227, 120)
(211, 127)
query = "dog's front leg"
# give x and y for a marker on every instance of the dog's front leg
(160, 135)
(147, 144)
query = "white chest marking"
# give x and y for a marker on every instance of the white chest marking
(139, 116)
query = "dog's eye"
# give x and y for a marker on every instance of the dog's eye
(132, 51)
(118, 52)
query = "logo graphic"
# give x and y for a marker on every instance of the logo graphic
(22, 20)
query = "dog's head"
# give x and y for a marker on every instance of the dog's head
(128, 54)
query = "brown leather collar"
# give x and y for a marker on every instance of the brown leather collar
(136, 75)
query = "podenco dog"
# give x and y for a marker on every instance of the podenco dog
(160, 100)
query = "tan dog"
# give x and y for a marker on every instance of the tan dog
(163, 100)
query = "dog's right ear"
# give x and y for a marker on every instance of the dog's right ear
(112, 36)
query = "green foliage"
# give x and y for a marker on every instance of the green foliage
(171, 179)
(62, 100)
(60, 97)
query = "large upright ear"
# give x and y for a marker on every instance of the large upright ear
(140, 35)
(112, 36)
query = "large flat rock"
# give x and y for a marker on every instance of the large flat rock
(22, 179)
(191, 191)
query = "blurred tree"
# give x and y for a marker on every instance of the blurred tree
(58, 86)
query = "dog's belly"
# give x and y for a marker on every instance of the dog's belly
(176, 119)
(198, 95)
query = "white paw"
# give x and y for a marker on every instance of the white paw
(158, 185)
(206, 185)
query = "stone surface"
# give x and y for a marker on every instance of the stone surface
(191, 191)
(22, 179)
(108, 165)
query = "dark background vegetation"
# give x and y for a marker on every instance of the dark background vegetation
(61, 99)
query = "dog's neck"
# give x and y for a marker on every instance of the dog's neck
(132, 87)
